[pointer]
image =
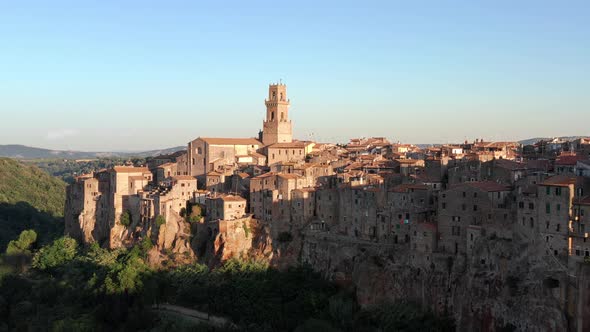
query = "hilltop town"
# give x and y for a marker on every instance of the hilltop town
(492, 232)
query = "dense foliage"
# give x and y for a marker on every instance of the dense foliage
(125, 219)
(22, 245)
(29, 199)
(68, 169)
(87, 289)
(24, 183)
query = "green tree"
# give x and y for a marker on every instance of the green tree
(146, 245)
(59, 252)
(23, 244)
(125, 219)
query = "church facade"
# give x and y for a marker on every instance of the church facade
(206, 154)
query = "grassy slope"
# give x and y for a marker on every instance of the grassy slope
(29, 199)
(25, 183)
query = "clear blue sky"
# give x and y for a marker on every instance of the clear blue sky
(132, 75)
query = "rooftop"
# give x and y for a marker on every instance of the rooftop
(231, 198)
(560, 181)
(291, 145)
(130, 169)
(230, 141)
(183, 177)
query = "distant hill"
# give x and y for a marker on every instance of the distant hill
(29, 199)
(531, 141)
(27, 152)
(153, 153)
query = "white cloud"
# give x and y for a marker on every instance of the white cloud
(61, 134)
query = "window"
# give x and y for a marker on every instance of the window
(547, 208)
(531, 206)
(199, 151)
(521, 205)
(463, 207)
(548, 191)
(558, 207)
(444, 205)
(557, 228)
(475, 208)
(557, 191)
(474, 195)
(464, 194)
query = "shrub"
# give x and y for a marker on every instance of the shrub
(146, 245)
(125, 219)
(160, 220)
(246, 228)
(23, 244)
(194, 210)
(183, 212)
(59, 252)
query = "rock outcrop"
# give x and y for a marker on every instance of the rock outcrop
(501, 286)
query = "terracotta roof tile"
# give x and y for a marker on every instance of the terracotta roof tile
(130, 169)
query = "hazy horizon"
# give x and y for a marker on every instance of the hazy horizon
(143, 75)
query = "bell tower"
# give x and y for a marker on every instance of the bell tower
(277, 127)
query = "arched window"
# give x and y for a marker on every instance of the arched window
(281, 96)
(282, 116)
(272, 116)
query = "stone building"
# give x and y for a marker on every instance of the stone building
(167, 199)
(212, 154)
(405, 205)
(358, 206)
(277, 127)
(482, 203)
(555, 208)
(226, 207)
(503, 171)
(579, 232)
(165, 171)
(288, 152)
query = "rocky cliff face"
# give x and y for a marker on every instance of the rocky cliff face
(244, 238)
(172, 242)
(501, 286)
